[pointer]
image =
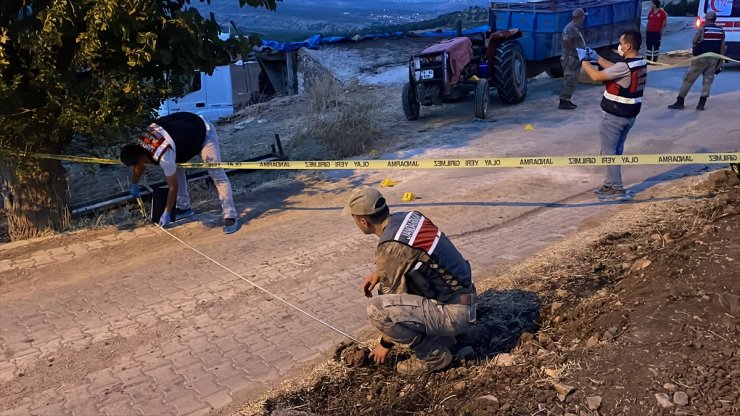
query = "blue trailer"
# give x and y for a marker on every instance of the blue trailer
(542, 24)
(525, 40)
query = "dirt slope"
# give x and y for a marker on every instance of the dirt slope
(635, 316)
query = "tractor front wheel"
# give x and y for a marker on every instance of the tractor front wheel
(510, 72)
(410, 103)
(481, 98)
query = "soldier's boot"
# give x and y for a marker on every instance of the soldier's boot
(566, 105)
(438, 359)
(702, 102)
(678, 105)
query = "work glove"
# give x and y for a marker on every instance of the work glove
(135, 190)
(582, 54)
(164, 219)
(592, 56)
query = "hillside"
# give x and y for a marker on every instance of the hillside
(296, 20)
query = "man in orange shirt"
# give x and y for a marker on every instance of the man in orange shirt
(656, 23)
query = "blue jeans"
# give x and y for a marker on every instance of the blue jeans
(613, 135)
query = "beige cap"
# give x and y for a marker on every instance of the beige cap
(711, 15)
(364, 201)
(578, 12)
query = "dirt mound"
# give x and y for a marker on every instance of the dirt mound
(638, 316)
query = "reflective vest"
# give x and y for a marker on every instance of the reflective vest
(440, 270)
(626, 102)
(184, 133)
(712, 42)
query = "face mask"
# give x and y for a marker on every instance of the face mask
(620, 51)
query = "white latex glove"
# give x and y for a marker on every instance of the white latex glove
(582, 55)
(592, 56)
(164, 219)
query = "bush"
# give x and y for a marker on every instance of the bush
(336, 128)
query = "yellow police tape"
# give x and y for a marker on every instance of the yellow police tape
(444, 163)
(67, 158)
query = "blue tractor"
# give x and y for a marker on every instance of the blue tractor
(524, 40)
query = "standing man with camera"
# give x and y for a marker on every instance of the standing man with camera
(624, 84)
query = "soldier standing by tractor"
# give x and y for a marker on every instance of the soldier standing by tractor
(572, 39)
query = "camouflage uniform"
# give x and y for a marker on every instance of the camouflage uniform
(427, 325)
(569, 59)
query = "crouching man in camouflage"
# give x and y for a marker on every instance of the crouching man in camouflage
(426, 294)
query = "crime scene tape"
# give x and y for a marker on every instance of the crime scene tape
(444, 163)
(714, 55)
(66, 158)
(493, 162)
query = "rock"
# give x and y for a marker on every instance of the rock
(561, 293)
(663, 400)
(459, 386)
(488, 404)
(640, 264)
(669, 386)
(592, 342)
(563, 389)
(719, 179)
(552, 373)
(681, 398)
(594, 402)
(555, 306)
(504, 360)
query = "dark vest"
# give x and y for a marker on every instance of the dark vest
(712, 42)
(626, 102)
(186, 130)
(441, 270)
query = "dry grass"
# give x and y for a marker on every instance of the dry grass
(336, 126)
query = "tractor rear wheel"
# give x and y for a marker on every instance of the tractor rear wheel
(481, 98)
(510, 72)
(410, 103)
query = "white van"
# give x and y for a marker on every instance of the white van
(728, 18)
(210, 96)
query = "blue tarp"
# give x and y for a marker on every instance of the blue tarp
(310, 43)
(314, 41)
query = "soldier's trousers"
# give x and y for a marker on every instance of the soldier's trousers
(571, 68)
(422, 324)
(701, 66)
